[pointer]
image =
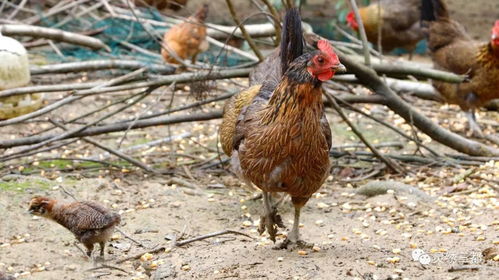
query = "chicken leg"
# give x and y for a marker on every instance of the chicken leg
(294, 235)
(474, 127)
(271, 220)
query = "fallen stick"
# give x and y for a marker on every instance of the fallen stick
(417, 71)
(391, 164)
(71, 98)
(53, 34)
(180, 78)
(419, 89)
(168, 120)
(182, 243)
(463, 268)
(112, 151)
(185, 107)
(100, 65)
(412, 116)
(210, 235)
(47, 88)
(147, 145)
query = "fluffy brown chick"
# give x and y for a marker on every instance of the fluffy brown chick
(186, 39)
(90, 222)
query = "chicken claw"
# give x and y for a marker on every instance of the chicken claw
(271, 220)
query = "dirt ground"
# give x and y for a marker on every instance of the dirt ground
(356, 237)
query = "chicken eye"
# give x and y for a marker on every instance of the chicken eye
(320, 59)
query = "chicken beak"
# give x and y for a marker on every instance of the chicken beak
(340, 68)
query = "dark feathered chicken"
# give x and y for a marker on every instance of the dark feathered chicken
(90, 222)
(452, 49)
(398, 21)
(277, 134)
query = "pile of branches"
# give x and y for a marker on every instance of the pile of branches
(140, 79)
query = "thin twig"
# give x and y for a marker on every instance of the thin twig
(109, 267)
(275, 21)
(392, 165)
(112, 151)
(129, 237)
(113, 128)
(362, 31)
(210, 235)
(243, 30)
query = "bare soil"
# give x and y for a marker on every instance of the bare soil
(356, 237)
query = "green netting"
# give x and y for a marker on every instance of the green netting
(116, 30)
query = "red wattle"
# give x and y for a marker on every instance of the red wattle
(325, 76)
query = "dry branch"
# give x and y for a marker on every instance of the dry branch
(47, 88)
(71, 98)
(53, 34)
(417, 71)
(180, 78)
(393, 165)
(112, 151)
(114, 128)
(362, 32)
(100, 65)
(406, 111)
(246, 35)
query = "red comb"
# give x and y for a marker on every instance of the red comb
(326, 47)
(495, 29)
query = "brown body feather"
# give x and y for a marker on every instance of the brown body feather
(281, 138)
(186, 39)
(285, 146)
(232, 110)
(90, 222)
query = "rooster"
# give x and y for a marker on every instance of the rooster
(399, 20)
(186, 39)
(452, 49)
(277, 133)
(90, 222)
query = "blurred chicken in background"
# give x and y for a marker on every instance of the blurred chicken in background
(186, 39)
(452, 49)
(397, 20)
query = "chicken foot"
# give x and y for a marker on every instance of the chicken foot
(271, 220)
(293, 239)
(475, 129)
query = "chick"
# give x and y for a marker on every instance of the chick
(90, 222)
